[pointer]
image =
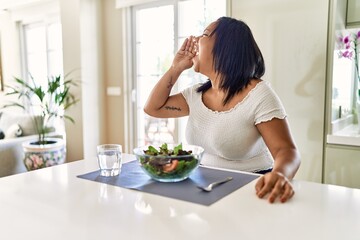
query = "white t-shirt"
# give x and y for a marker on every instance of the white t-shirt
(230, 138)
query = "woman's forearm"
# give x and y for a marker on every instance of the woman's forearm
(160, 95)
(161, 92)
(287, 162)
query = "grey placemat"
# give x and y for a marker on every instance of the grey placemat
(133, 177)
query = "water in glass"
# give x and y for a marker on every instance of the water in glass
(109, 159)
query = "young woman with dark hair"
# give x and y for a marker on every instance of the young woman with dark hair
(235, 116)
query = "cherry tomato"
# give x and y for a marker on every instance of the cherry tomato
(170, 166)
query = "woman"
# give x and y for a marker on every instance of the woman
(235, 116)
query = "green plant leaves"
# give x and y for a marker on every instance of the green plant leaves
(48, 101)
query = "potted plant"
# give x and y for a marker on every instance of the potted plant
(46, 105)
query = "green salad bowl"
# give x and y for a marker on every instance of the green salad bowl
(169, 162)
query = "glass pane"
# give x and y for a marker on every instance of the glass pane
(154, 59)
(43, 50)
(54, 49)
(196, 15)
(35, 39)
(191, 18)
(152, 22)
(159, 130)
(344, 92)
(37, 67)
(54, 36)
(342, 86)
(154, 53)
(55, 61)
(214, 10)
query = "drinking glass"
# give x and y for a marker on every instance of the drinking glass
(109, 159)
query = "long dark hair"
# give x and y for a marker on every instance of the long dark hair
(236, 57)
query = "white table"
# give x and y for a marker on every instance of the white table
(53, 203)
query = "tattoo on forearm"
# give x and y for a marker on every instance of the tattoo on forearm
(172, 108)
(170, 84)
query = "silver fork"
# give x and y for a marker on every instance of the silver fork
(209, 187)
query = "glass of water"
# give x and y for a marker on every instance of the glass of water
(109, 159)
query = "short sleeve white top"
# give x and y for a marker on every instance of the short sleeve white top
(230, 138)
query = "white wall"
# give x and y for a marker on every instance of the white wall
(292, 35)
(96, 45)
(70, 20)
(113, 72)
(92, 76)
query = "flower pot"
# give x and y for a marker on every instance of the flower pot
(44, 155)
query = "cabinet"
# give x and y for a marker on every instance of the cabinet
(342, 166)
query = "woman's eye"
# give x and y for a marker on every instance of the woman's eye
(205, 35)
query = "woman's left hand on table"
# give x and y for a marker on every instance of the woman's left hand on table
(275, 185)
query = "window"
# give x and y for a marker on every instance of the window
(344, 75)
(42, 50)
(159, 30)
(342, 87)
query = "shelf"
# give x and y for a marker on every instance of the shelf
(349, 135)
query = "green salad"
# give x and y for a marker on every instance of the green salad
(168, 163)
